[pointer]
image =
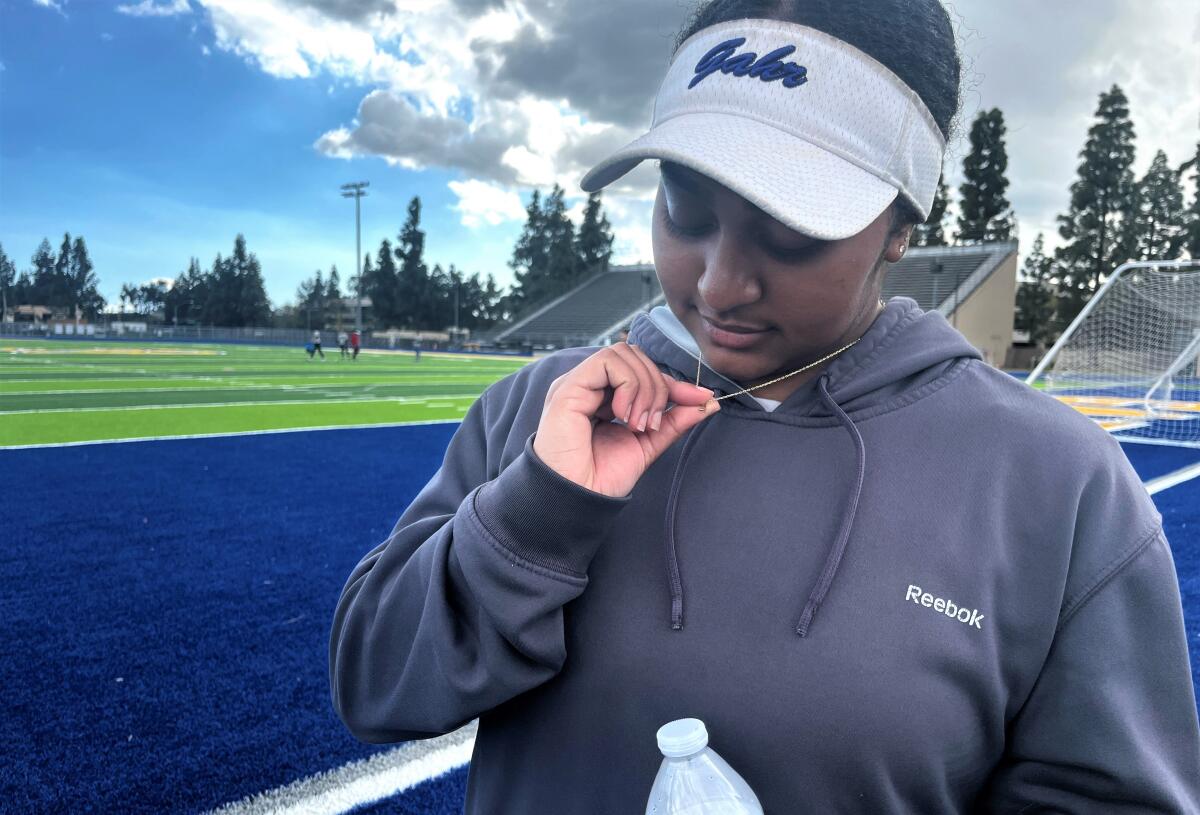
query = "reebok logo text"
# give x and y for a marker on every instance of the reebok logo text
(968, 616)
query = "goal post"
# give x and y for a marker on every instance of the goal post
(1130, 358)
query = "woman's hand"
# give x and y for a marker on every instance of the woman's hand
(577, 437)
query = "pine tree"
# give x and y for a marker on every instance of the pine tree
(246, 295)
(1192, 241)
(471, 305)
(439, 300)
(220, 307)
(334, 289)
(1102, 198)
(412, 276)
(1035, 297)
(380, 284)
(41, 281)
(8, 279)
(562, 262)
(985, 214)
(530, 259)
(1159, 219)
(84, 284)
(493, 297)
(179, 303)
(62, 295)
(594, 243)
(932, 232)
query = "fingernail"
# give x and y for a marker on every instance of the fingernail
(642, 421)
(657, 420)
(629, 414)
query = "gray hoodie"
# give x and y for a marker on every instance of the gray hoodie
(917, 586)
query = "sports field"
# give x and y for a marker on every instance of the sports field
(72, 391)
(167, 603)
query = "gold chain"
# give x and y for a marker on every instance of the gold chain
(776, 379)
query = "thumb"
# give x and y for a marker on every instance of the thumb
(681, 418)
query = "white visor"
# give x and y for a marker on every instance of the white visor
(809, 129)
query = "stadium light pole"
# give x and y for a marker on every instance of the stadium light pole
(356, 190)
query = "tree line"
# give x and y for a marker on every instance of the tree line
(65, 281)
(229, 293)
(549, 258)
(404, 292)
(1112, 217)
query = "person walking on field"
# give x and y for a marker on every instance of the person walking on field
(343, 341)
(417, 350)
(354, 343)
(888, 577)
(316, 341)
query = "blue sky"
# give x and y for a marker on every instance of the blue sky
(156, 146)
(159, 129)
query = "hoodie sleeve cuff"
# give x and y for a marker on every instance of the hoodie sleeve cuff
(544, 518)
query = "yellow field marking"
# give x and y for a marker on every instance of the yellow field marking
(1107, 406)
(1142, 415)
(1112, 401)
(1112, 427)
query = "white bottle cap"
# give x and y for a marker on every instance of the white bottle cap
(682, 737)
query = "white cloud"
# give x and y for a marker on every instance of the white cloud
(1045, 66)
(149, 8)
(51, 4)
(528, 93)
(480, 202)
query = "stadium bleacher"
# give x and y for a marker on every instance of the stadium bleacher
(589, 311)
(944, 277)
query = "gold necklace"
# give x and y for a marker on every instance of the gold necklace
(778, 378)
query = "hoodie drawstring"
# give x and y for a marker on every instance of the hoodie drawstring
(832, 561)
(672, 560)
(835, 556)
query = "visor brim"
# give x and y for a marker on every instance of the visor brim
(801, 185)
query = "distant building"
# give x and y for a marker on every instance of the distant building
(974, 287)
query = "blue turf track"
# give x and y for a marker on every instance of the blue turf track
(166, 610)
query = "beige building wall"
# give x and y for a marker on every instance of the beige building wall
(986, 317)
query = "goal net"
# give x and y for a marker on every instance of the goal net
(1130, 359)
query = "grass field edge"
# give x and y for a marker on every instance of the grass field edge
(223, 435)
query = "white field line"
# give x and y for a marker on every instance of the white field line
(231, 433)
(233, 383)
(364, 781)
(232, 404)
(86, 391)
(1164, 482)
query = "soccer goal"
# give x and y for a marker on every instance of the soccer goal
(1130, 359)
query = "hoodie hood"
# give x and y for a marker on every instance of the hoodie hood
(902, 351)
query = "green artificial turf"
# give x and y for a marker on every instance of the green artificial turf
(68, 391)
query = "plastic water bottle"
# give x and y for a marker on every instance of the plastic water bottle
(693, 779)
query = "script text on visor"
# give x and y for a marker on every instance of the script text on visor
(768, 69)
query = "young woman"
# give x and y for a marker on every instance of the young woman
(888, 577)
